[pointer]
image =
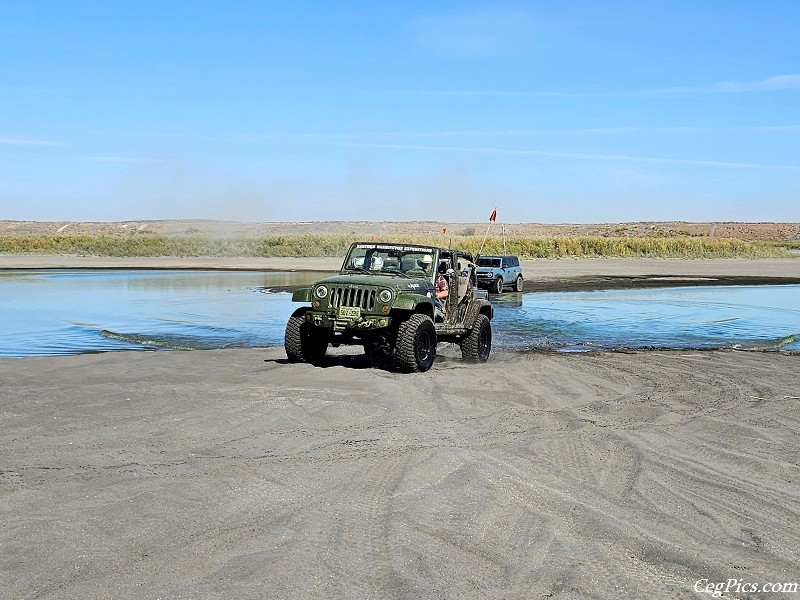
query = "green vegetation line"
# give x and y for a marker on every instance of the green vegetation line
(320, 245)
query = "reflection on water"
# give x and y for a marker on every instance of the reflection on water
(68, 312)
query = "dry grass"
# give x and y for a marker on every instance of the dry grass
(319, 244)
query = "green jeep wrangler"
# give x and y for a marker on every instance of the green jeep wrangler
(384, 299)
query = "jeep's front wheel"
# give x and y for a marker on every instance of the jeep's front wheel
(498, 285)
(477, 346)
(416, 344)
(302, 343)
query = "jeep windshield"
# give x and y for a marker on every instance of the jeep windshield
(489, 262)
(390, 259)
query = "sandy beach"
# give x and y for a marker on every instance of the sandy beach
(235, 474)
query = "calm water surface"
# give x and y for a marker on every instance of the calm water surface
(49, 312)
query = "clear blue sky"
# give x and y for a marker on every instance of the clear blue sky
(553, 111)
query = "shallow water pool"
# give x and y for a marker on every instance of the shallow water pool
(52, 312)
(744, 317)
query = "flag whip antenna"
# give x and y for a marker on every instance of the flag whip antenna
(492, 219)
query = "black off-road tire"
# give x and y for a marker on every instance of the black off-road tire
(415, 348)
(302, 343)
(518, 284)
(497, 287)
(477, 346)
(291, 339)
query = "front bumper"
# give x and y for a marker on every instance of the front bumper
(485, 279)
(341, 321)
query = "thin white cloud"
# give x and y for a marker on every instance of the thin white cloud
(770, 129)
(467, 140)
(779, 82)
(376, 136)
(120, 159)
(502, 93)
(567, 132)
(29, 142)
(689, 129)
(775, 83)
(584, 156)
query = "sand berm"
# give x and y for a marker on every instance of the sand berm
(235, 474)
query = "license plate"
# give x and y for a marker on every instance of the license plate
(349, 312)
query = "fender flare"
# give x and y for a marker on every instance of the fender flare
(301, 312)
(475, 308)
(414, 303)
(302, 295)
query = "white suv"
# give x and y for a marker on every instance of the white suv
(498, 272)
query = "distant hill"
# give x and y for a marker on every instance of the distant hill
(742, 231)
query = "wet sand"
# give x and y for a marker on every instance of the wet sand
(234, 474)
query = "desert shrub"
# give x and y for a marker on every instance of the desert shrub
(334, 245)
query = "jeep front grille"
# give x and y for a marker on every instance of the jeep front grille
(346, 296)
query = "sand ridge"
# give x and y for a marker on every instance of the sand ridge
(722, 229)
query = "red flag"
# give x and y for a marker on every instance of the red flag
(444, 230)
(493, 218)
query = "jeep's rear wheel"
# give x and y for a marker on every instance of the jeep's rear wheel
(477, 346)
(497, 287)
(416, 344)
(518, 284)
(302, 343)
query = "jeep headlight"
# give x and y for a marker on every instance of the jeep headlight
(385, 296)
(321, 291)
